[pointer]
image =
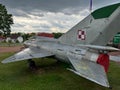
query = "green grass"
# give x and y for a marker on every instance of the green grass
(49, 76)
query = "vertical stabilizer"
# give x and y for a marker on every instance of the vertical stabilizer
(97, 28)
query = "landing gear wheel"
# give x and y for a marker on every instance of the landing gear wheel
(110, 88)
(58, 62)
(32, 64)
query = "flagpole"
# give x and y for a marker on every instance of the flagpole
(90, 6)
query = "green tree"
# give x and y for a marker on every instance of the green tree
(6, 20)
(57, 35)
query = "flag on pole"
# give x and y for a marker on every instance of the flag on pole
(90, 5)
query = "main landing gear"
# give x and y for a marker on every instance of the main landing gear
(32, 64)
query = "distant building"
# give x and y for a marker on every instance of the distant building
(2, 38)
(50, 35)
(14, 37)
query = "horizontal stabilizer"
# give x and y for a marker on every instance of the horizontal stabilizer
(89, 70)
(106, 48)
(115, 58)
(28, 53)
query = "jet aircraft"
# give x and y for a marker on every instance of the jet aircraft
(83, 46)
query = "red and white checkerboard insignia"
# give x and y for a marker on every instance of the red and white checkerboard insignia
(81, 35)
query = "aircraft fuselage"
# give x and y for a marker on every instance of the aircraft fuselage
(62, 51)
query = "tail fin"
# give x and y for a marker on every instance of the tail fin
(97, 28)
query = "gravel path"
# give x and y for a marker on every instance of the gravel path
(10, 49)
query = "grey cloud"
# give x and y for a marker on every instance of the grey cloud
(18, 12)
(38, 14)
(54, 5)
(19, 25)
(47, 5)
(58, 24)
(41, 26)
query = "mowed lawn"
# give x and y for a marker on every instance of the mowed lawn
(49, 76)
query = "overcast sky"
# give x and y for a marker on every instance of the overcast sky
(49, 15)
